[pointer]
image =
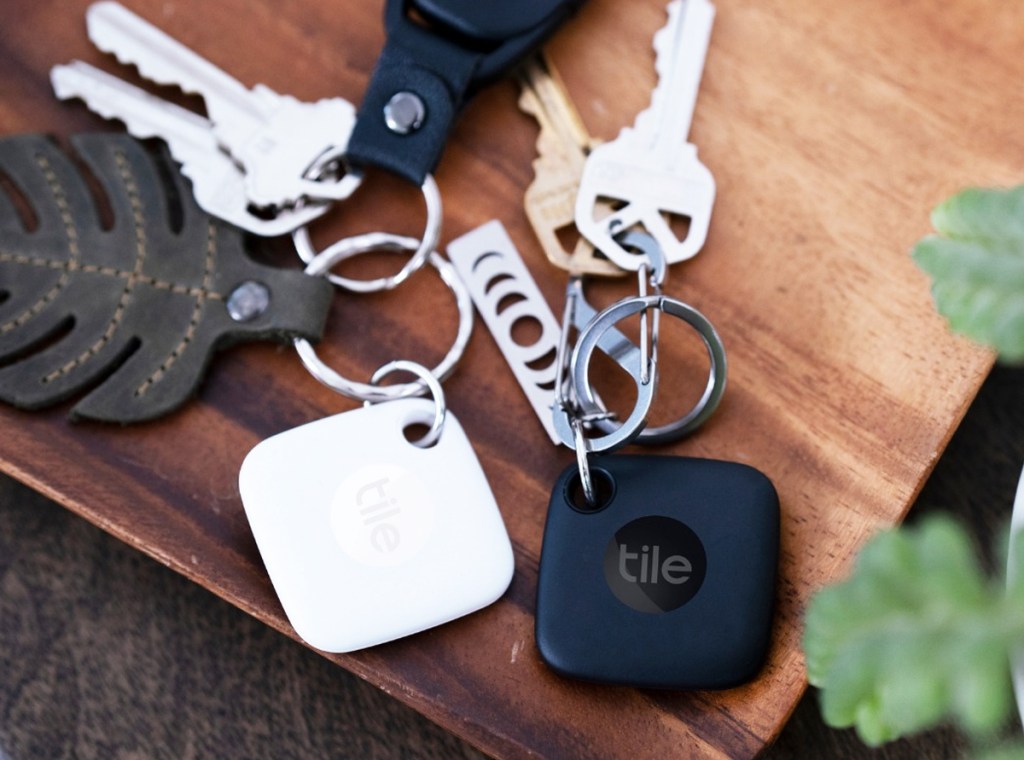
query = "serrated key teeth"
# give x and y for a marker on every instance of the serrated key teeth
(106, 22)
(269, 96)
(67, 78)
(145, 115)
(528, 103)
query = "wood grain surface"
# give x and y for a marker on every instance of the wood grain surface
(831, 132)
(105, 653)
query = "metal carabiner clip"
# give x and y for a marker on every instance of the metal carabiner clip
(597, 330)
(588, 404)
(568, 412)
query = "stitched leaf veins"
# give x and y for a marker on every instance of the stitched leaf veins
(132, 313)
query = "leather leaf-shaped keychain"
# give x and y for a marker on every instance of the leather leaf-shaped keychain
(133, 313)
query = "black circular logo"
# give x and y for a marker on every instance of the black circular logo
(655, 564)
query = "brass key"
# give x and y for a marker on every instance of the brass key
(562, 148)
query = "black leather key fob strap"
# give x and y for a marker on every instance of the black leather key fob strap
(437, 54)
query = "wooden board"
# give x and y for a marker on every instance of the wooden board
(831, 130)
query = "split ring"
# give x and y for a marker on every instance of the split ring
(432, 383)
(605, 320)
(422, 248)
(382, 241)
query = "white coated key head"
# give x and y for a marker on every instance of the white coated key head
(645, 192)
(275, 139)
(650, 173)
(368, 538)
(279, 151)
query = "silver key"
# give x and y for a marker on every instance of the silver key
(650, 169)
(218, 184)
(276, 139)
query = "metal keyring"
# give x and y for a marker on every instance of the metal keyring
(423, 247)
(378, 241)
(588, 340)
(440, 408)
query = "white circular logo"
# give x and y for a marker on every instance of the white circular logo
(382, 515)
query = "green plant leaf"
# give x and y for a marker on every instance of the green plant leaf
(1011, 751)
(976, 262)
(916, 635)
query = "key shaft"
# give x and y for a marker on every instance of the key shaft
(681, 48)
(162, 59)
(562, 134)
(217, 182)
(145, 115)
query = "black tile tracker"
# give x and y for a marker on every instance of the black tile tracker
(669, 583)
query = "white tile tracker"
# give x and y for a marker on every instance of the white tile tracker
(368, 538)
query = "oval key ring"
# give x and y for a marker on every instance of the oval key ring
(382, 241)
(591, 334)
(423, 247)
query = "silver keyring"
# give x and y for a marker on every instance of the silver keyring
(380, 241)
(588, 340)
(425, 376)
(423, 247)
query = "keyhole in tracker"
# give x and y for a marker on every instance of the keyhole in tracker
(415, 433)
(604, 491)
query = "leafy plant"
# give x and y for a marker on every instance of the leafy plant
(977, 265)
(918, 634)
